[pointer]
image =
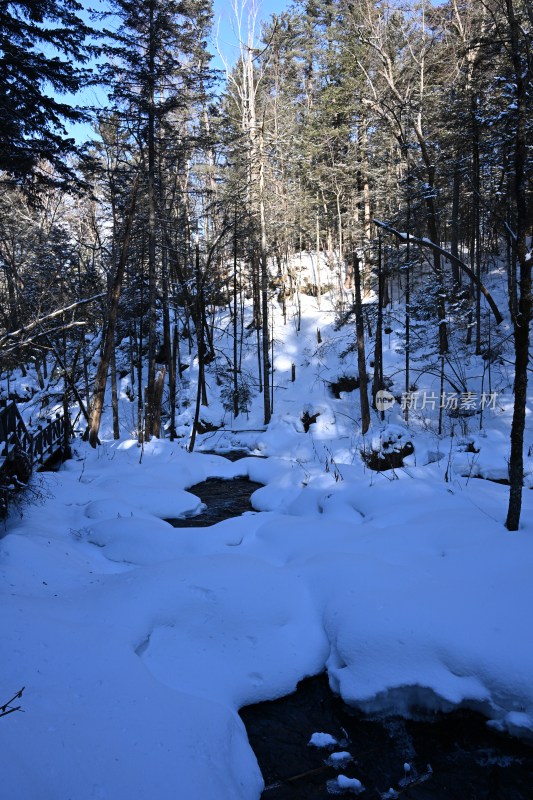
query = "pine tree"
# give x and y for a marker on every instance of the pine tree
(158, 73)
(43, 47)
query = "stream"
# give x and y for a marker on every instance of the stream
(434, 757)
(224, 499)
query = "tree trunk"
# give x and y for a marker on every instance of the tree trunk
(114, 392)
(103, 366)
(167, 346)
(433, 229)
(454, 236)
(522, 320)
(140, 397)
(361, 358)
(317, 247)
(235, 322)
(152, 294)
(377, 383)
(476, 233)
(172, 383)
(264, 287)
(159, 387)
(408, 305)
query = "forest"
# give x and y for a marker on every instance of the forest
(315, 250)
(339, 126)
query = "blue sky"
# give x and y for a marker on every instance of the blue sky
(223, 31)
(224, 15)
(224, 38)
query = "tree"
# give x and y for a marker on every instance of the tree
(158, 73)
(109, 341)
(43, 46)
(245, 83)
(516, 31)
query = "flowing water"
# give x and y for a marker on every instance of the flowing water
(435, 757)
(224, 499)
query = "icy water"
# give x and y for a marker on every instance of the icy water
(223, 498)
(439, 757)
(443, 757)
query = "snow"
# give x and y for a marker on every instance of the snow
(342, 784)
(339, 759)
(322, 740)
(138, 642)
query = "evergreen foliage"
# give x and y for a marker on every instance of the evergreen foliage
(43, 47)
(335, 114)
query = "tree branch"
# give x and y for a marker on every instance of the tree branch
(13, 334)
(404, 237)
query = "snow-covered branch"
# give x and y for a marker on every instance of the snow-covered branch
(407, 237)
(38, 322)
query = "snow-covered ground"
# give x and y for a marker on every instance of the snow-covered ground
(137, 642)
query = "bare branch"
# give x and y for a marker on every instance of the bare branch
(7, 708)
(405, 237)
(14, 334)
(60, 328)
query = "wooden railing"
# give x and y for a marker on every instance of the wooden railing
(22, 450)
(48, 439)
(13, 431)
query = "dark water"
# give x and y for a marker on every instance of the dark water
(446, 756)
(231, 455)
(224, 499)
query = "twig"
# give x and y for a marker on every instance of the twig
(7, 708)
(307, 774)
